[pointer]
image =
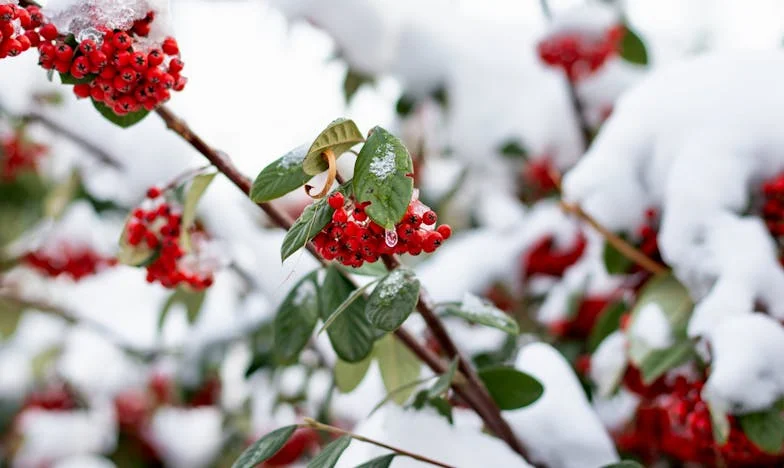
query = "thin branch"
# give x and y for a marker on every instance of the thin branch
(474, 394)
(312, 423)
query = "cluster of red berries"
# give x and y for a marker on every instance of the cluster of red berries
(54, 397)
(352, 239)
(118, 73)
(76, 262)
(158, 229)
(676, 422)
(773, 211)
(17, 155)
(581, 323)
(18, 29)
(578, 55)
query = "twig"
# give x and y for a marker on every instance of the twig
(474, 393)
(312, 423)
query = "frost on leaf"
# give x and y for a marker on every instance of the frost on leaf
(82, 17)
(383, 163)
(294, 157)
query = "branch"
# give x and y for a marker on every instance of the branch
(334, 430)
(474, 394)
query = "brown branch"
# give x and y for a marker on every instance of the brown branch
(474, 393)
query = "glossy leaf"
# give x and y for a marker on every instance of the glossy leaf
(764, 429)
(384, 461)
(615, 262)
(349, 375)
(393, 300)
(381, 177)
(657, 362)
(482, 312)
(264, 448)
(312, 220)
(195, 191)
(398, 365)
(350, 331)
(329, 455)
(633, 48)
(608, 321)
(123, 121)
(339, 136)
(281, 177)
(296, 319)
(510, 388)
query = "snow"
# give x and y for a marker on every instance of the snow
(617, 410)
(427, 433)
(84, 461)
(561, 429)
(187, 437)
(393, 283)
(294, 157)
(651, 327)
(747, 371)
(608, 363)
(383, 163)
(589, 18)
(82, 17)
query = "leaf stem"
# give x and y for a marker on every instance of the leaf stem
(312, 423)
(332, 170)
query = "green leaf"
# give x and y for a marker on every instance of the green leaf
(510, 388)
(444, 381)
(367, 269)
(312, 220)
(624, 464)
(476, 310)
(195, 191)
(393, 300)
(666, 292)
(443, 407)
(720, 423)
(264, 448)
(329, 455)
(660, 361)
(296, 319)
(339, 136)
(379, 462)
(349, 375)
(608, 321)
(68, 79)
(765, 430)
(513, 149)
(398, 365)
(353, 81)
(280, 177)
(632, 47)
(381, 177)
(191, 300)
(136, 256)
(353, 297)
(405, 105)
(406, 388)
(349, 331)
(615, 262)
(123, 121)
(10, 314)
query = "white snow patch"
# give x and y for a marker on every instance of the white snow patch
(651, 327)
(383, 163)
(561, 430)
(294, 157)
(608, 363)
(187, 438)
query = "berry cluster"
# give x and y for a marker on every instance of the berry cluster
(158, 229)
(676, 422)
(18, 29)
(581, 323)
(17, 155)
(577, 55)
(352, 238)
(113, 67)
(544, 259)
(773, 211)
(76, 261)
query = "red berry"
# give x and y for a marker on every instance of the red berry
(49, 32)
(153, 192)
(170, 46)
(121, 41)
(429, 218)
(336, 200)
(445, 230)
(82, 90)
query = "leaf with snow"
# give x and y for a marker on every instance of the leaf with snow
(657, 362)
(384, 461)
(476, 310)
(128, 120)
(339, 136)
(350, 332)
(393, 300)
(764, 429)
(296, 319)
(329, 455)
(510, 388)
(280, 177)
(195, 191)
(264, 448)
(399, 367)
(349, 375)
(381, 177)
(312, 220)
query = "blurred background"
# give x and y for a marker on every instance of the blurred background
(100, 368)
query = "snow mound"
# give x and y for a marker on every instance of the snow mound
(560, 429)
(695, 150)
(652, 328)
(427, 433)
(187, 437)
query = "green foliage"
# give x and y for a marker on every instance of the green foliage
(393, 300)
(124, 121)
(510, 388)
(265, 447)
(296, 318)
(339, 136)
(350, 332)
(281, 177)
